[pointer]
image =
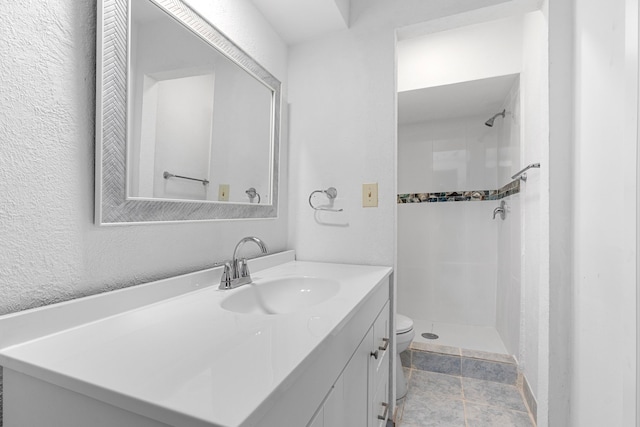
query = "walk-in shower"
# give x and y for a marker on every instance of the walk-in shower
(456, 274)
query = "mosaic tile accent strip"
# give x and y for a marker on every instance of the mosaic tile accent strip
(461, 196)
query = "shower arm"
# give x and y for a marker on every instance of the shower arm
(522, 175)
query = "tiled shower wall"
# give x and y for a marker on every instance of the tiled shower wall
(508, 295)
(447, 262)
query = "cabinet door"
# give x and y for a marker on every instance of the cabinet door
(381, 345)
(380, 406)
(322, 418)
(359, 396)
(379, 370)
(334, 406)
(317, 420)
(355, 390)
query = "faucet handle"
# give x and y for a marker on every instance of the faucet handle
(225, 280)
(244, 268)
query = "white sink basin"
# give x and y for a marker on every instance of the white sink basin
(280, 296)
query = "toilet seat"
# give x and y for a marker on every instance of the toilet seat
(403, 324)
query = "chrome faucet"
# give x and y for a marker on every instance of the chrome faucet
(499, 210)
(236, 272)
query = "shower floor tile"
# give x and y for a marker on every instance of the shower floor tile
(446, 400)
(480, 338)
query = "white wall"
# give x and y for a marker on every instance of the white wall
(561, 164)
(604, 230)
(343, 129)
(241, 117)
(182, 138)
(534, 202)
(241, 130)
(494, 48)
(162, 51)
(51, 249)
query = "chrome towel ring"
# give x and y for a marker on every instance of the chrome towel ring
(331, 194)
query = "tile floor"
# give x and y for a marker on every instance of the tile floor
(439, 400)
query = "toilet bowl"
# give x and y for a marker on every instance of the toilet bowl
(404, 336)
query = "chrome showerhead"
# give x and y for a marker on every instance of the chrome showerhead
(492, 119)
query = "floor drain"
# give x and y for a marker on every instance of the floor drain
(430, 336)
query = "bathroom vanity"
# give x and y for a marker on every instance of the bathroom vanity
(181, 352)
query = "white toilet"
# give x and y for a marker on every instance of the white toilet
(404, 336)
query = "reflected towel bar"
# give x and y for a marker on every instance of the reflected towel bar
(522, 174)
(252, 193)
(168, 175)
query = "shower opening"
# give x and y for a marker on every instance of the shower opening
(458, 260)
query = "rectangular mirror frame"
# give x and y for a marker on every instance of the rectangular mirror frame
(112, 207)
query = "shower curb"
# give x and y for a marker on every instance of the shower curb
(480, 365)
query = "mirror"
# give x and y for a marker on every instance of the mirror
(187, 124)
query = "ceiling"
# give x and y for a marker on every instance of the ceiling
(477, 97)
(299, 20)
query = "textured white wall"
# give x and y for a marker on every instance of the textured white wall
(343, 129)
(51, 250)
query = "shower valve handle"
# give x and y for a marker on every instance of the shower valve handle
(499, 210)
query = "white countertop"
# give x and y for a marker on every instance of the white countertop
(185, 361)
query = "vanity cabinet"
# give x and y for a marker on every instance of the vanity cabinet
(184, 361)
(379, 371)
(360, 396)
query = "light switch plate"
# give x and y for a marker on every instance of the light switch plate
(223, 193)
(370, 195)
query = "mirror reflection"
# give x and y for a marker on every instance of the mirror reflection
(200, 126)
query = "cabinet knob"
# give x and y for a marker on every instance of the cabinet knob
(374, 354)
